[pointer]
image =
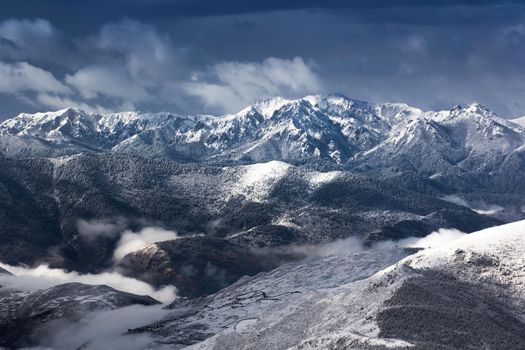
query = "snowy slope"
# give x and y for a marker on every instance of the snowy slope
(466, 294)
(462, 139)
(247, 301)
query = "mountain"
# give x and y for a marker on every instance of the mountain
(465, 294)
(463, 150)
(281, 226)
(463, 139)
(278, 173)
(268, 130)
(28, 317)
(332, 129)
(71, 212)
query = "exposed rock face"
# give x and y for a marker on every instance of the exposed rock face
(201, 265)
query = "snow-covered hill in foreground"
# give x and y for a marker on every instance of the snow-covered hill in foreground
(465, 294)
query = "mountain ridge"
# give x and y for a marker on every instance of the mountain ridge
(330, 128)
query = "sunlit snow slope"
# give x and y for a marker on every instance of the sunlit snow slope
(466, 294)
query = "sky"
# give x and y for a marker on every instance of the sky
(215, 57)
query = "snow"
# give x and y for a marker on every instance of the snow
(321, 342)
(57, 161)
(508, 239)
(333, 127)
(265, 298)
(257, 180)
(318, 178)
(337, 302)
(268, 107)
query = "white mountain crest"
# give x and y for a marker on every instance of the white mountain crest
(329, 128)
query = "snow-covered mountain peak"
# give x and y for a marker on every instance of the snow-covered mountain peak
(331, 104)
(473, 112)
(397, 112)
(26, 119)
(54, 126)
(257, 180)
(490, 241)
(331, 128)
(269, 106)
(478, 108)
(335, 102)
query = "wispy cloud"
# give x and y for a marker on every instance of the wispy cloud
(43, 276)
(106, 330)
(22, 77)
(354, 245)
(132, 241)
(103, 227)
(241, 83)
(479, 207)
(128, 64)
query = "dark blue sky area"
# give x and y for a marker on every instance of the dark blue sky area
(207, 56)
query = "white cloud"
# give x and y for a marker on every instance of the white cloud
(109, 80)
(91, 229)
(107, 329)
(241, 83)
(129, 64)
(25, 31)
(43, 276)
(22, 76)
(148, 54)
(132, 241)
(480, 207)
(432, 240)
(59, 102)
(138, 61)
(452, 198)
(339, 247)
(353, 244)
(37, 40)
(215, 95)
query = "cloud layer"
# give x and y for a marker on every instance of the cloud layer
(354, 244)
(43, 277)
(214, 57)
(129, 64)
(479, 207)
(106, 329)
(132, 241)
(21, 77)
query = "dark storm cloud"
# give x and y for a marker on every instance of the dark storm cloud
(199, 8)
(213, 56)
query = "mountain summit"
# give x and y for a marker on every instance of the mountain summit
(331, 129)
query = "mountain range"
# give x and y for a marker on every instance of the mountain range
(198, 203)
(332, 129)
